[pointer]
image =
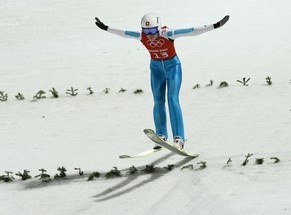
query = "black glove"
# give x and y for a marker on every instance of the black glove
(101, 24)
(221, 22)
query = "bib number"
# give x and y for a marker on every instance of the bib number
(161, 55)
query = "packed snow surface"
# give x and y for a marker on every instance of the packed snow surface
(55, 44)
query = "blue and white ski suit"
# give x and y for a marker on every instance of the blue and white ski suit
(166, 74)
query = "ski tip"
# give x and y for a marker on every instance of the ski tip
(147, 130)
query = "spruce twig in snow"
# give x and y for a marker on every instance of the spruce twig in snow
(190, 167)
(209, 85)
(276, 160)
(122, 90)
(113, 173)
(90, 90)
(196, 86)
(93, 175)
(259, 161)
(169, 167)
(229, 161)
(106, 91)
(72, 91)
(43, 176)
(80, 171)
(55, 93)
(149, 169)
(223, 84)
(8, 177)
(138, 91)
(3, 96)
(132, 170)
(62, 173)
(244, 81)
(202, 164)
(40, 95)
(269, 81)
(247, 159)
(25, 175)
(19, 96)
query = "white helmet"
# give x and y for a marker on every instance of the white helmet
(151, 20)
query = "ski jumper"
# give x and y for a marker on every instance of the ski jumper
(166, 74)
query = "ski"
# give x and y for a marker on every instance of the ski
(142, 154)
(155, 138)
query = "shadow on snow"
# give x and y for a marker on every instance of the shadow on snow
(158, 173)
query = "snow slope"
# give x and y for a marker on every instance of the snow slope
(47, 44)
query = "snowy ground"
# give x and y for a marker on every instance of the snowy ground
(47, 44)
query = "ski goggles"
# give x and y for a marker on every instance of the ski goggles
(151, 31)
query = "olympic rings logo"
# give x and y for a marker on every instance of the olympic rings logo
(159, 43)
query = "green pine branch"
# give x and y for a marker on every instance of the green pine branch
(40, 95)
(3, 96)
(72, 92)
(25, 175)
